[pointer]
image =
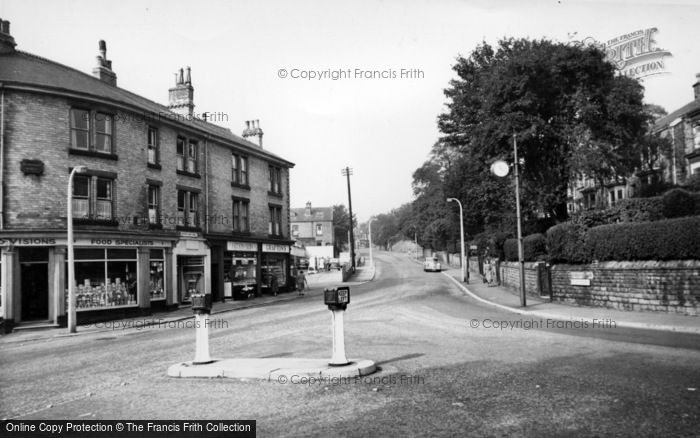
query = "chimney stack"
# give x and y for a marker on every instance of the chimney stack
(307, 212)
(181, 97)
(696, 86)
(253, 130)
(103, 70)
(7, 43)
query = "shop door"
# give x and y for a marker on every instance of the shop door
(34, 274)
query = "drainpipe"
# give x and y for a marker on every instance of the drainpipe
(206, 184)
(2, 157)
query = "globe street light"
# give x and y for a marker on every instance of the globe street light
(500, 168)
(465, 276)
(71, 262)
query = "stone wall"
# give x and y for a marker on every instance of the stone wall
(659, 286)
(668, 286)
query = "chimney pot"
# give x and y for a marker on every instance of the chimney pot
(188, 78)
(103, 70)
(181, 96)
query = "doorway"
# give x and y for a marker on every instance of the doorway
(34, 275)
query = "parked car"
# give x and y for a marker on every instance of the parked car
(432, 264)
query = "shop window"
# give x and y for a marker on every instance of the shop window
(153, 204)
(153, 150)
(273, 269)
(105, 278)
(240, 271)
(240, 215)
(157, 277)
(275, 222)
(89, 204)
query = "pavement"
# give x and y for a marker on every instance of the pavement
(317, 283)
(509, 300)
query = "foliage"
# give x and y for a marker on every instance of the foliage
(566, 243)
(534, 248)
(679, 203)
(341, 224)
(669, 239)
(692, 184)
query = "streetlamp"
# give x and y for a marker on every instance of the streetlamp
(71, 262)
(500, 168)
(369, 224)
(465, 276)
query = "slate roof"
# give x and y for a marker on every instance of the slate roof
(318, 214)
(25, 70)
(688, 109)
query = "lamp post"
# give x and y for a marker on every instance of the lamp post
(369, 224)
(71, 262)
(347, 172)
(465, 276)
(500, 168)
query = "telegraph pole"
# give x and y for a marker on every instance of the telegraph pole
(347, 172)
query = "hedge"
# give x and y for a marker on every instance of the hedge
(670, 239)
(534, 248)
(679, 203)
(565, 243)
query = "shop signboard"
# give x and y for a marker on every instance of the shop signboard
(242, 246)
(272, 247)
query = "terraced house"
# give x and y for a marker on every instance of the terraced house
(167, 204)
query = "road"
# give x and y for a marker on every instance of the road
(439, 376)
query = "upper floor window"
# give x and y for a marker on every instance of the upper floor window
(319, 229)
(91, 131)
(241, 221)
(239, 169)
(187, 208)
(92, 198)
(192, 156)
(153, 204)
(153, 151)
(275, 222)
(180, 153)
(275, 183)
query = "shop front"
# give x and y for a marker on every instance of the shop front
(193, 267)
(240, 265)
(115, 276)
(275, 268)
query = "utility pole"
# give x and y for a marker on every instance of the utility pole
(347, 172)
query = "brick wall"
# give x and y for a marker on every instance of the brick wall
(669, 286)
(38, 127)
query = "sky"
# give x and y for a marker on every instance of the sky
(275, 60)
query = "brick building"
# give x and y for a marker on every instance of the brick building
(313, 226)
(169, 204)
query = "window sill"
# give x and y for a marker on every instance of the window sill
(186, 173)
(154, 166)
(275, 194)
(240, 186)
(101, 222)
(91, 153)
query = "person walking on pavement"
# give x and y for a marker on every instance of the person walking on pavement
(301, 282)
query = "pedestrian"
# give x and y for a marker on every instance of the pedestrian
(301, 282)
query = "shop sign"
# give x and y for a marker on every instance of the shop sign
(189, 234)
(31, 241)
(242, 246)
(120, 242)
(271, 247)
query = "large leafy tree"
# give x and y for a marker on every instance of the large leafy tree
(341, 225)
(571, 116)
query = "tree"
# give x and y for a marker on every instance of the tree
(341, 226)
(572, 116)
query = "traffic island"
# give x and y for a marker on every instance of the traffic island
(272, 369)
(280, 369)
